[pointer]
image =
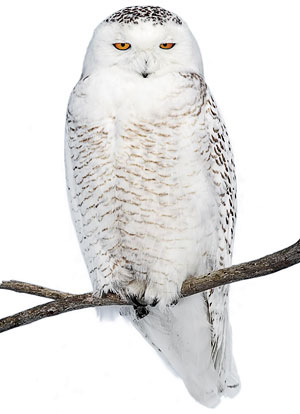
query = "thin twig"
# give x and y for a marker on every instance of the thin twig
(24, 287)
(65, 302)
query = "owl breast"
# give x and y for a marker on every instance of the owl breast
(142, 197)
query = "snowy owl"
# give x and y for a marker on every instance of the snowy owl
(152, 189)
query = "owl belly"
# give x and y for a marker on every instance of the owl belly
(143, 203)
(165, 226)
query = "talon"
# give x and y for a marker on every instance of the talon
(139, 307)
(140, 311)
(154, 303)
(137, 302)
(174, 302)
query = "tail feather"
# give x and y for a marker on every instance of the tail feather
(182, 336)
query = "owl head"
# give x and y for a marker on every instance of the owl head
(143, 42)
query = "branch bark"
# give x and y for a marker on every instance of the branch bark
(65, 302)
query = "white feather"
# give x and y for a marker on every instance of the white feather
(152, 192)
(182, 335)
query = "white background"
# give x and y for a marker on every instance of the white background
(74, 363)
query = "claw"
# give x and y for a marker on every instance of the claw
(137, 302)
(139, 307)
(141, 311)
(174, 302)
(154, 303)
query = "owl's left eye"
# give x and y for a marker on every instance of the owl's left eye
(167, 45)
(122, 46)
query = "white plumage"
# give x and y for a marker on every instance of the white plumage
(151, 187)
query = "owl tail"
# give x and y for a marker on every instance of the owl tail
(182, 336)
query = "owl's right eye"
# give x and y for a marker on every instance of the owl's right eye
(122, 46)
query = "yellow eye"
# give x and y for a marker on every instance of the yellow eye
(122, 46)
(167, 45)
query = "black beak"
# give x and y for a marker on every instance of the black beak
(145, 74)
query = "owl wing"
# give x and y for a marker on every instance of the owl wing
(221, 171)
(88, 177)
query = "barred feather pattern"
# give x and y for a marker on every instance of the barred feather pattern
(153, 200)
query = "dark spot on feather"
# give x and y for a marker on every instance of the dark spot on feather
(141, 14)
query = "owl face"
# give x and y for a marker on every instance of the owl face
(143, 49)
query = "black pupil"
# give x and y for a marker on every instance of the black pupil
(165, 44)
(123, 44)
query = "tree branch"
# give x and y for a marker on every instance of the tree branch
(23, 287)
(66, 302)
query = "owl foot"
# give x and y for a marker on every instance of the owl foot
(162, 295)
(137, 301)
(140, 306)
(140, 311)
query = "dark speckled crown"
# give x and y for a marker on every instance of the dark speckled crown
(138, 14)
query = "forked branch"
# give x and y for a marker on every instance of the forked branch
(64, 302)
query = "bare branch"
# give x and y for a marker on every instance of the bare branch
(261, 267)
(56, 307)
(23, 287)
(65, 302)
